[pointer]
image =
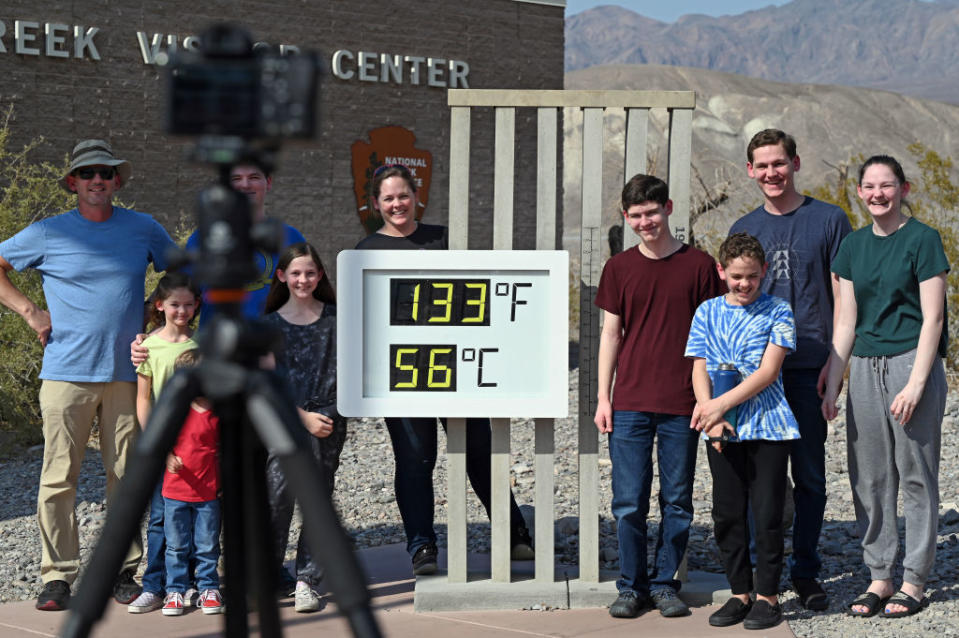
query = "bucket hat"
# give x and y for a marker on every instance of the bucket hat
(93, 153)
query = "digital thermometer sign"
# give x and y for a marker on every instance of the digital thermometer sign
(452, 333)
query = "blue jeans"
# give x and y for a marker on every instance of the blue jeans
(191, 525)
(154, 575)
(631, 452)
(807, 457)
(414, 446)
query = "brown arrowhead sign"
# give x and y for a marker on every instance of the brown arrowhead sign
(388, 145)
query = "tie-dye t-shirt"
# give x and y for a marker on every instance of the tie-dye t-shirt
(724, 333)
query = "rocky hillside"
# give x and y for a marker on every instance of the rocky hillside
(830, 123)
(907, 46)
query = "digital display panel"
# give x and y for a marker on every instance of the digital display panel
(452, 333)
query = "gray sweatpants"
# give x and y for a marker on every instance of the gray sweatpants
(884, 455)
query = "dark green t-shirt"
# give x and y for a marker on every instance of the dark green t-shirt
(885, 273)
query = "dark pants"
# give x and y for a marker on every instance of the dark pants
(750, 475)
(414, 447)
(326, 452)
(631, 452)
(807, 458)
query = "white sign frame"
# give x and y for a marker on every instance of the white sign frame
(546, 321)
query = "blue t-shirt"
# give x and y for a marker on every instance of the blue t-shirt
(259, 288)
(93, 282)
(800, 248)
(724, 333)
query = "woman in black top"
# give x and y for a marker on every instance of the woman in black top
(414, 439)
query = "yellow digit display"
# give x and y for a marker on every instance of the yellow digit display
(399, 365)
(436, 367)
(437, 362)
(480, 303)
(446, 303)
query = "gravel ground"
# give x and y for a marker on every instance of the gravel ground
(364, 497)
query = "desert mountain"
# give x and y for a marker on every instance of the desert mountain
(831, 125)
(906, 46)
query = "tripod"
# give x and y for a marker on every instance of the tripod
(255, 414)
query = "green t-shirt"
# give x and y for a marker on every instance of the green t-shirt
(885, 273)
(159, 363)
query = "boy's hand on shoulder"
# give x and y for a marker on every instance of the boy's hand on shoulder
(604, 417)
(173, 463)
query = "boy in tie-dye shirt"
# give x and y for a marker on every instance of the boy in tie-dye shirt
(753, 331)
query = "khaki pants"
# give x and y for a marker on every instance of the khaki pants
(68, 410)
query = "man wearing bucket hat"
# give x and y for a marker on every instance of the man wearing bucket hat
(93, 260)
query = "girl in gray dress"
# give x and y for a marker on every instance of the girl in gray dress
(301, 304)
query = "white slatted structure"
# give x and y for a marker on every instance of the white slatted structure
(679, 105)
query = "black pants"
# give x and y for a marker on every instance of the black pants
(414, 446)
(750, 474)
(326, 452)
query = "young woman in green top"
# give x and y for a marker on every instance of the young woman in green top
(892, 323)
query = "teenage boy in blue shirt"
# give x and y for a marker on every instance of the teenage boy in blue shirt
(801, 237)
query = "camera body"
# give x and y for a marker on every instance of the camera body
(228, 88)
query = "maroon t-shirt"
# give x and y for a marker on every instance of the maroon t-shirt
(656, 300)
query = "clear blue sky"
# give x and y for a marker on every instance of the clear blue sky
(669, 10)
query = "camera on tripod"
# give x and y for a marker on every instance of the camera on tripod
(229, 88)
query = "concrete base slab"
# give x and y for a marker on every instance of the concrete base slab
(434, 593)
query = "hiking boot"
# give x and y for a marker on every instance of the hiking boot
(211, 602)
(424, 560)
(628, 605)
(125, 588)
(55, 596)
(173, 604)
(145, 602)
(668, 603)
(305, 599)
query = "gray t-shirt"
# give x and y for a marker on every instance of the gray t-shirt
(800, 247)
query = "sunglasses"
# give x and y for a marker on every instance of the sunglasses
(383, 167)
(87, 172)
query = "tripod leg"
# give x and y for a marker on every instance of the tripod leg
(249, 569)
(279, 427)
(133, 493)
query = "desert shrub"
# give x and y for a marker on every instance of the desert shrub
(28, 192)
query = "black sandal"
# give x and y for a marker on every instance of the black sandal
(872, 602)
(811, 594)
(903, 599)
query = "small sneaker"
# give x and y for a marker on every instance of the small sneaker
(210, 601)
(145, 602)
(668, 603)
(55, 596)
(424, 560)
(627, 605)
(305, 599)
(191, 597)
(173, 604)
(731, 613)
(126, 589)
(763, 616)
